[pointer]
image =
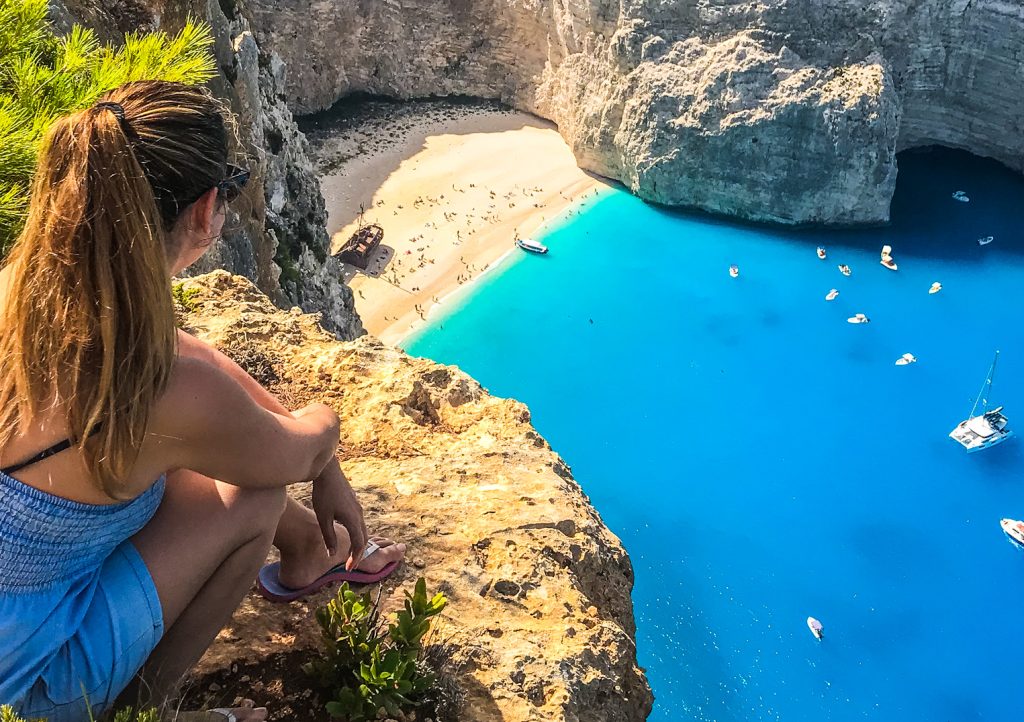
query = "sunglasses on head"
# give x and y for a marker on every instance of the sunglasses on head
(231, 187)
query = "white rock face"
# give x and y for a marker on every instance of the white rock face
(788, 111)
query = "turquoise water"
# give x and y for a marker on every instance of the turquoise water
(763, 460)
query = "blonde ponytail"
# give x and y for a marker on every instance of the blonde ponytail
(88, 321)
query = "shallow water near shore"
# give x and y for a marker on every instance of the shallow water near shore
(763, 460)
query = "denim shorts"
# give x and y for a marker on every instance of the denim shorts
(120, 627)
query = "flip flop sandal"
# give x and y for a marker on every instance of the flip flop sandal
(269, 583)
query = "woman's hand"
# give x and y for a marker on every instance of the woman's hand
(334, 500)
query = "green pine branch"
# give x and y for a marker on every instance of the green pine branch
(43, 77)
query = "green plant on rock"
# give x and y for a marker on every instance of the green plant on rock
(128, 714)
(365, 667)
(185, 297)
(7, 715)
(43, 77)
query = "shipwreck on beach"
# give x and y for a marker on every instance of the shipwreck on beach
(361, 246)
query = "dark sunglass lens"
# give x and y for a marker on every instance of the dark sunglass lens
(229, 192)
(231, 187)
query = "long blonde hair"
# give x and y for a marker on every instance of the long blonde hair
(88, 321)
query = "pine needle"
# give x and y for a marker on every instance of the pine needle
(43, 77)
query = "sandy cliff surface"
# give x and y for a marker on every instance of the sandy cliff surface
(538, 586)
(786, 110)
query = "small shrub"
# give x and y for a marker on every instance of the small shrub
(130, 715)
(43, 76)
(7, 715)
(127, 714)
(366, 667)
(256, 361)
(185, 297)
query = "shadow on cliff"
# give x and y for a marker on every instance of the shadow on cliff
(377, 264)
(925, 220)
(480, 700)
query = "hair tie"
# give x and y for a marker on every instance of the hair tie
(118, 110)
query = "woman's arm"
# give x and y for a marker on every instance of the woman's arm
(333, 496)
(191, 347)
(208, 423)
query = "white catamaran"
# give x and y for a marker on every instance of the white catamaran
(987, 428)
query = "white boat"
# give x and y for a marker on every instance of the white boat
(734, 271)
(831, 296)
(1014, 529)
(858, 318)
(816, 628)
(986, 429)
(936, 287)
(530, 245)
(961, 196)
(985, 240)
(844, 269)
(821, 253)
(906, 359)
(887, 258)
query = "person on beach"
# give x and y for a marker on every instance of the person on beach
(142, 473)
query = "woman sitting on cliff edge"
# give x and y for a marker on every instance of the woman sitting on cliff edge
(142, 473)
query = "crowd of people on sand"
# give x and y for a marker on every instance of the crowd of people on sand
(400, 267)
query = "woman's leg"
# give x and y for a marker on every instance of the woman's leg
(203, 549)
(303, 553)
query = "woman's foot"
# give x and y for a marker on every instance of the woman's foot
(308, 561)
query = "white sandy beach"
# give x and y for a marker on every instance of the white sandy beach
(451, 194)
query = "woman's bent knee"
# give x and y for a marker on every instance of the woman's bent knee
(263, 507)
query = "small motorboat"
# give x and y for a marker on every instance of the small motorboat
(936, 287)
(985, 240)
(734, 270)
(906, 359)
(816, 628)
(832, 295)
(821, 253)
(961, 196)
(858, 318)
(530, 245)
(986, 429)
(844, 269)
(1014, 529)
(887, 258)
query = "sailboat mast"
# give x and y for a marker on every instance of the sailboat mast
(985, 387)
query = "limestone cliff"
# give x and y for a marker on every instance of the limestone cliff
(539, 588)
(788, 110)
(278, 235)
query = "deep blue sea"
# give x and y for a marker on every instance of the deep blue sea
(763, 460)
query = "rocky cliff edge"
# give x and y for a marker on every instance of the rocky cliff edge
(539, 588)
